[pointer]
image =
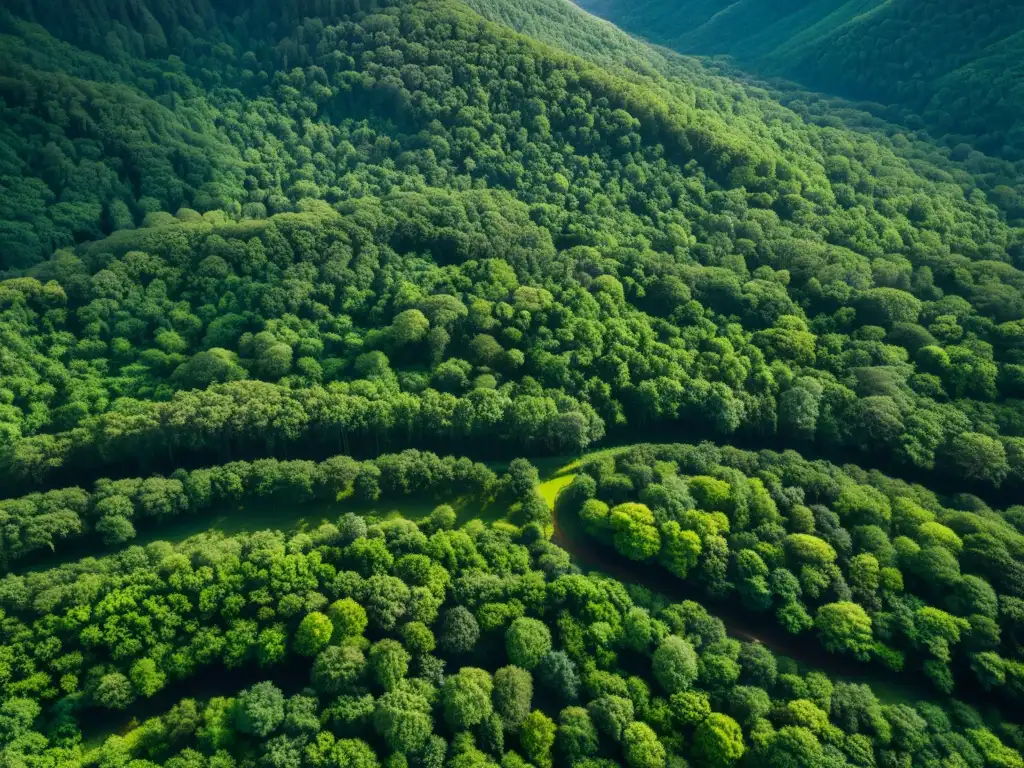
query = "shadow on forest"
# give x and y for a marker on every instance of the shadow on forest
(891, 688)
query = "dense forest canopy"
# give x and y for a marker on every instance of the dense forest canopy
(291, 256)
(431, 646)
(630, 248)
(951, 65)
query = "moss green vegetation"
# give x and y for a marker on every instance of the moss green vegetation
(550, 489)
(672, 262)
(289, 289)
(242, 491)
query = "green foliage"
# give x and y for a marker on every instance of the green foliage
(313, 634)
(611, 715)
(388, 663)
(41, 522)
(718, 740)
(403, 719)
(601, 248)
(114, 691)
(674, 664)
(845, 628)
(537, 735)
(337, 668)
(512, 695)
(459, 630)
(873, 570)
(260, 709)
(400, 226)
(557, 673)
(641, 746)
(146, 677)
(466, 697)
(398, 700)
(527, 642)
(353, 753)
(952, 66)
(577, 738)
(348, 617)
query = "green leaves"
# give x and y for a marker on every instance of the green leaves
(260, 709)
(389, 663)
(404, 720)
(845, 627)
(512, 695)
(537, 735)
(674, 664)
(466, 698)
(313, 634)
(398, 226)
(527, 641)
(718, 741)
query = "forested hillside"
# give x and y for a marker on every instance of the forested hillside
(956, 65)
(626, 255)
(291, 256)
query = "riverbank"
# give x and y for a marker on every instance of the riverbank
(257, 514)
(891, 688)
(555, 474)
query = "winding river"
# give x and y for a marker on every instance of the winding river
(891, 688)
(585, 550)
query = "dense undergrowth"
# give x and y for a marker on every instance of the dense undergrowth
(879, 568)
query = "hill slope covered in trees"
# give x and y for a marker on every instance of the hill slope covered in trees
(957, 65)
(286, 251)
(630, 247)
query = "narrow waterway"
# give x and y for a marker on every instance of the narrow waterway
(587, 552)
(891, 687)
(229, 519)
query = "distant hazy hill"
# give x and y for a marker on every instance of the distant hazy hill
(960, 65)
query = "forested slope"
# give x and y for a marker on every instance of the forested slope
(956, 64)
(628, 247)
(286, 251)
(898, 130)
